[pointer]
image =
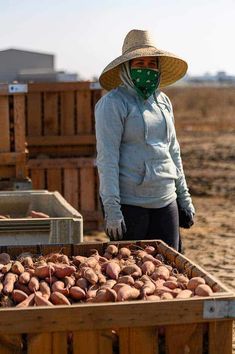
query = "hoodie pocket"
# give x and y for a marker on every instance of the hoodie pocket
(159, 174)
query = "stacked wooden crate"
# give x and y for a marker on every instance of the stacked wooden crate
(61, 142)
(12, 142)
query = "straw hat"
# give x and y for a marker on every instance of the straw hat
(137, 44)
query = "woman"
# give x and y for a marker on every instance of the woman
(142, 182)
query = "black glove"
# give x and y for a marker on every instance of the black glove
(185, 218)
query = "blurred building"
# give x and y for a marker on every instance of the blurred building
(26, 66)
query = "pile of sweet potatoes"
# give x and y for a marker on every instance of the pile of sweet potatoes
(120, 274)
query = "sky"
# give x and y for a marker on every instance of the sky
(86, 35)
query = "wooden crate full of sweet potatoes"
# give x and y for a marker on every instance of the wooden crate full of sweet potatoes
(111, 319)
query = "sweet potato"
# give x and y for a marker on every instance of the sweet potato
(108, 255)
(1, 286)
(166, 296)
(51, 280)
(132, 270)
(150, 250)
(161, 290)
(90, 275)
(24, 278)
(109, 284)
(105, 295)
(44, 271)
(41, 300)
(194, 282)
(91, 292)
(28, 262)
(82, 283)
(38, 214)
(4, 258)
(170, 284)
(6, 268)
(27, 302)
(101, 278)
(138, 284)
(59, 286)
(184, 294)
(127, 279)
(17, 268)
(112, 249)
(19, 295)
(22, 287)
(148, 267)
(118, 286)
(153, 298)
(63, 270)
(124, 253)
(8, 283)
(113, 270)
(149, 257)
(69, 281)
(127, 292)
(182, 279)
(77, 260)
(203, 290)
(45, 289)
(147, 289)
(33, 284)
(59, 299)
(77, 293)
(161, 272)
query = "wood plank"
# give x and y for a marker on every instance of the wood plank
(84, 119)
(184, 338)
(7, 172)
(19, 122)
(138, 340)
(10, 344)
(4, 124)
(11, 158)
(58, 86)
(40, 343)
(70, 192)
(87, 189)
(67, 113)
(220, 337)
(81, 139)
(92, 342)
(59, 343)
(104, 316)
(70, 163)
(38, 179)
(50, 121)
(54, 180)
(34, 115)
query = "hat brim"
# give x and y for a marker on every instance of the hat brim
(172, 67)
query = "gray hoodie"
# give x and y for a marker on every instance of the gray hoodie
(138, 155)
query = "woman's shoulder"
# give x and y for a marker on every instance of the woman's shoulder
(162, 98)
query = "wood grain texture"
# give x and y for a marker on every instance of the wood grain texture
(4, 124)
(220, 337)
(138, 340)
(40, 343)
(34, 115)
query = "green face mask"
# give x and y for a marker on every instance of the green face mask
(146, 81)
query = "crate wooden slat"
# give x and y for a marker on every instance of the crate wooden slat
(76, 179)
(135, 327)
(13, 151)
(60, 119)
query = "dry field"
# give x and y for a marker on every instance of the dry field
(205, 125)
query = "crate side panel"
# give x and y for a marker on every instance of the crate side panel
(84, 123)
(54, 180)
(59, 343)
(71, 186)
(34, 114)
(220, 337)
(184, 338)
(39, 343)
(138, 340)
(50, 113)
(67, 113)
(4, 124)
(19, 123)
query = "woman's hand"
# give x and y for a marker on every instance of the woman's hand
(115, 229)
(185, 218)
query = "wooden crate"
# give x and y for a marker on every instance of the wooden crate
(13, 142)
(60, 118)
(76, 179)
(195, 326)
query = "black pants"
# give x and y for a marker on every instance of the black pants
(149, 224)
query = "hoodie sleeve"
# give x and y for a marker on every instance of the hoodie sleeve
(183, 195)
(109, 124)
